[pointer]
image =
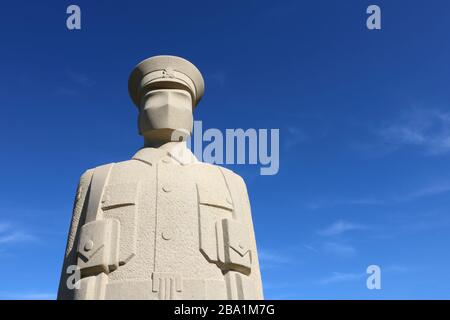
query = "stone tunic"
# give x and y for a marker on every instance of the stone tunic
(162, 226)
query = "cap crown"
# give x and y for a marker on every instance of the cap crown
(165, 72)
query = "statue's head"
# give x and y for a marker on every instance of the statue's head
(166, 89)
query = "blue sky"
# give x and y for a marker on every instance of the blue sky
(364, 119)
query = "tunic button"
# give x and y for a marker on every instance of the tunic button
(166, 235)
(88, 245)
(166, 160)
(166, 188)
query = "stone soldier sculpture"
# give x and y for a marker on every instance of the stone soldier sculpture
(162, 225)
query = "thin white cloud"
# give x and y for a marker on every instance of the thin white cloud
(337, 277)
(4, 226)
(330, 203)
(27, 296)
(65, 92)
(434, 189)
(270, 259)
(428, 129)
(10, 234)
(219, 78)
(339, 249)
(81, 79)
(397, 269)
(293, 137)
(310, 248)
(15, 237)
(340, 227)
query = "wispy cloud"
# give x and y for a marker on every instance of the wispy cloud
(10, 234)
(431, 190)
(337, 277)
(4, 226)
(434, 189)
(77, 82)
(81, 79)
(27, 296)
(425, 224)
(397, 269)
(339, 249)
(15, 237)
(310, 248)
(428, 129)
(65, 92)
(270, 259)
(293, 136)
(218, 78)
(330, 203)
(340, 227)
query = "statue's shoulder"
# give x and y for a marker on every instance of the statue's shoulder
(127, 168)
(86, 176)
(131, 166)
(229, 175)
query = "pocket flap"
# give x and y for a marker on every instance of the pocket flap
(119, 195)
(213, 190)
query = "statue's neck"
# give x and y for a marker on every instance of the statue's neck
(153, 143)
(160, 137)
(162, 144)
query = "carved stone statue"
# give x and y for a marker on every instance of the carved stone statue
(162, 225)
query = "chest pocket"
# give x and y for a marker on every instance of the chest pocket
(223, 239)
(215, 193)
(119, 195)
(120, 202)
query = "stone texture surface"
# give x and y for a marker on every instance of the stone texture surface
(162, 225)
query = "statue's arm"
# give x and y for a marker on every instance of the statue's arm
(78, 216)
(243, 214)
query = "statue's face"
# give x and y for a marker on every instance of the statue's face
(164, 111)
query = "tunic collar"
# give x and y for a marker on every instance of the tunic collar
(176, 152)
